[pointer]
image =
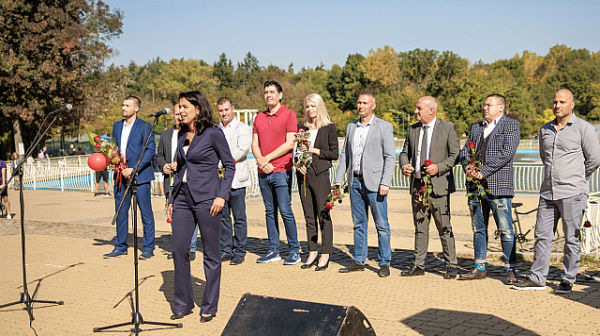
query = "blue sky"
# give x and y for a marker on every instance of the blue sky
(309, 32)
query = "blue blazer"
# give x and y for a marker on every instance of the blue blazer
(500, 152)
(202, 163)
(135, 142)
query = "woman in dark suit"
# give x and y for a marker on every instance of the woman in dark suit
(198, 197)
(324, 149)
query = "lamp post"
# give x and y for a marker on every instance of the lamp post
(403, 114)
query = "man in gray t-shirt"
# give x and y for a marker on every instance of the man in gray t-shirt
(570, 151)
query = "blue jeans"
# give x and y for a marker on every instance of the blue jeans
(194, 242)
(276, 190)
(360, 200)
(501, 208)
(234, 244)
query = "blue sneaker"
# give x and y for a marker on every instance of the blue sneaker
(292, 259)
(115, 253)
(269, 257)
(146, 255)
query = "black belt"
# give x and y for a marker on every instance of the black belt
(358, 175)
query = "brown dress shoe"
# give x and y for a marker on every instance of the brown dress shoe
(511, 278)
(353, 267)
(473, 275)
(413, 271)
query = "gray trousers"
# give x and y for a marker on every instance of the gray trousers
(571, 211)
(439, 209)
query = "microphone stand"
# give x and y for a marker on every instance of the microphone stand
(26, 299)
(137, 319)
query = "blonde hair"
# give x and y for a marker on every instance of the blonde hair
(322, 115)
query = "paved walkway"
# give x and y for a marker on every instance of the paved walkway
(67, 233)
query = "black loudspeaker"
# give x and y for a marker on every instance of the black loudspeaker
(265, 316)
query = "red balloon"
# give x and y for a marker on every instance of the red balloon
(97, 161)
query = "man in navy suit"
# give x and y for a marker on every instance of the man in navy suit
(130, 134)
(495, 139)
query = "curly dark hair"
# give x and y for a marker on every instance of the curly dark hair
(204, 119)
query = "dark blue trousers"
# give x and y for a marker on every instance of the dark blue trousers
(186, 213)
(145, 206)
(234, 237)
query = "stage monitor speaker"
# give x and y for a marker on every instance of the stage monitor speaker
(265, 316)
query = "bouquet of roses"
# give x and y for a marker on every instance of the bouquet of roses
(427, 188)
(222, 170)
(116, 162)
(336, 194)
(303, 158)
(475, 165)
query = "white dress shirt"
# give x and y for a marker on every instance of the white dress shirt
(358, 144)
(185, 150)
(489, 127)
(174, 145)
(125, 136)
(430, 126)
(313, 136)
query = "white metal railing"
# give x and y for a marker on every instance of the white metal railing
(590, 237)
(75, 175)
(527, 177)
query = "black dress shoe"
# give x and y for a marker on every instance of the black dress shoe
(475, 274)
(450, 272)
(192, 255)
(225, 257)
(384, 271)
(413, 271)
(237, 259)
(177, 316)
(204, 319)
(353, 267)
(313, 263)
(322, 268)
(511, 278)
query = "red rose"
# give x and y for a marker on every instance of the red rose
(587, 224)
(427, 163)
(169, 220)
(301, 131)
(98, 145)
(96, 138)
(329, 205)
(471, 144)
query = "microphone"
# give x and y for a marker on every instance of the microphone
(161, 112)
(64, 108)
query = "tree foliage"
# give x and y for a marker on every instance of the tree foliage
(47, 50)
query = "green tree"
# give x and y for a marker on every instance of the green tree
(246, 70)
(46, 48)
(223, 71)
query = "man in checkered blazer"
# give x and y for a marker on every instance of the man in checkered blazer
(494, 142)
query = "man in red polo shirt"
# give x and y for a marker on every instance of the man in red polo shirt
(272, 145)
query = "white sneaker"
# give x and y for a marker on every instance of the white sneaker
(8, 216)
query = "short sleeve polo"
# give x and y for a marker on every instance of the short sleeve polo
(272, 131)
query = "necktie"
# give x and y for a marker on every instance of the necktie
(424, 149)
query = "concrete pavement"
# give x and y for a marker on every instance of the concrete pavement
(67, 233)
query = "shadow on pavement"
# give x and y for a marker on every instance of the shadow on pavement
(432, 322)
(167, 289)
(591, 292)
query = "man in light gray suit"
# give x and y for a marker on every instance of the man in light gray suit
(239, 138)
(369, 158)
(443, 155)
